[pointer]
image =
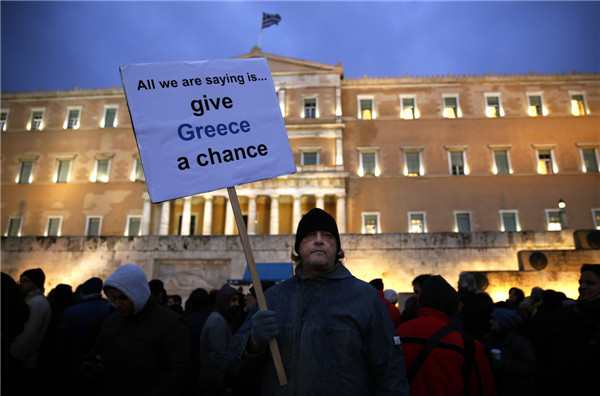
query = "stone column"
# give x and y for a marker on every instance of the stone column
(340, 213)
(229, 218)
(146, 212)
(338, 104)
(274, 226)
(281, 97)
(339, 152)
(186, 216)
(208, 214)
(297, 212)
(251, 215)
(321, 201)
(164, 218)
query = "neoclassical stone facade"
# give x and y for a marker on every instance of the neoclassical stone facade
(411, 154)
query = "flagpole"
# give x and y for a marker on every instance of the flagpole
(260, 31)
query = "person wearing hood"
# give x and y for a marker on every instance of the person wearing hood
(511, 355)
(214, 341)
(334, 334)
(439, 359)
(143, 347)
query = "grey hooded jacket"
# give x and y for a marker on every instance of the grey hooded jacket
(147, 353)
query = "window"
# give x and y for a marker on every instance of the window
(110, 116)
(93, 225)
(310, 158)
(493, 109)
(501, 162)
(596, 216)
(3, 119)
(14, 226)
(457, 162)
(553, 220)
(137, 173)
(545, 162)
(368, 163)
(408, 107)
(590, 160)
(134, 226)
(365, 107)
(451, 109)
(509, 220)
(72, 121)
(416, 222)
(63, 171)
(25, 175)
(53, 226)
(101, 169)
(310, 108)
(412, 163)
(370, 223)
(578, 107)
(36, 123)
(462, 221)
(535, 108)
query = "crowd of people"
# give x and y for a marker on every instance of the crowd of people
(336, 335)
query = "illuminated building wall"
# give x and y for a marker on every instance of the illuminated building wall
(185, 263)
(383, 155)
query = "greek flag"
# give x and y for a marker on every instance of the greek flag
(270, 19)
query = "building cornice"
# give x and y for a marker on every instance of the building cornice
(64, 93)
(505, 78)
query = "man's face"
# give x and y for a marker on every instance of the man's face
(513, 296)
(250, 301)
(234, 303)
(121, 302)
(589, 285)
(417, 291)
(318, 250)
(495, 326)
(26, 285)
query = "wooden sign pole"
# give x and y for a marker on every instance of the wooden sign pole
(260, 297)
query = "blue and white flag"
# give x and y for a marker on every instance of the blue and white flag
(270, 19)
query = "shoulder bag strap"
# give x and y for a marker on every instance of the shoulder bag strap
(420, 359)
(469, 362)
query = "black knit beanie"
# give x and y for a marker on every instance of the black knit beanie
(317, 220)
(36, 275)
(436, 293)
(377, 283)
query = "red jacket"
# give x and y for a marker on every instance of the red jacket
(392, 309)
(441, 373)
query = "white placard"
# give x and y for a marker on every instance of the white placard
(202, 126)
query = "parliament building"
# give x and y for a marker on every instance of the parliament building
(402, 154)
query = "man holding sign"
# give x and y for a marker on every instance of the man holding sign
(335, 336)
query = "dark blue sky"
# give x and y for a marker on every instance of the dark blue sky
(63, 45)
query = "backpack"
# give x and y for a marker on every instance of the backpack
(468, 352)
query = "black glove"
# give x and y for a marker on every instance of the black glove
(264, 327)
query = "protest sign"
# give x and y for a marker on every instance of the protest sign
(206, 125)
(203, 126)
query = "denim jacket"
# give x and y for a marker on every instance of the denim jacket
(335, 338)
